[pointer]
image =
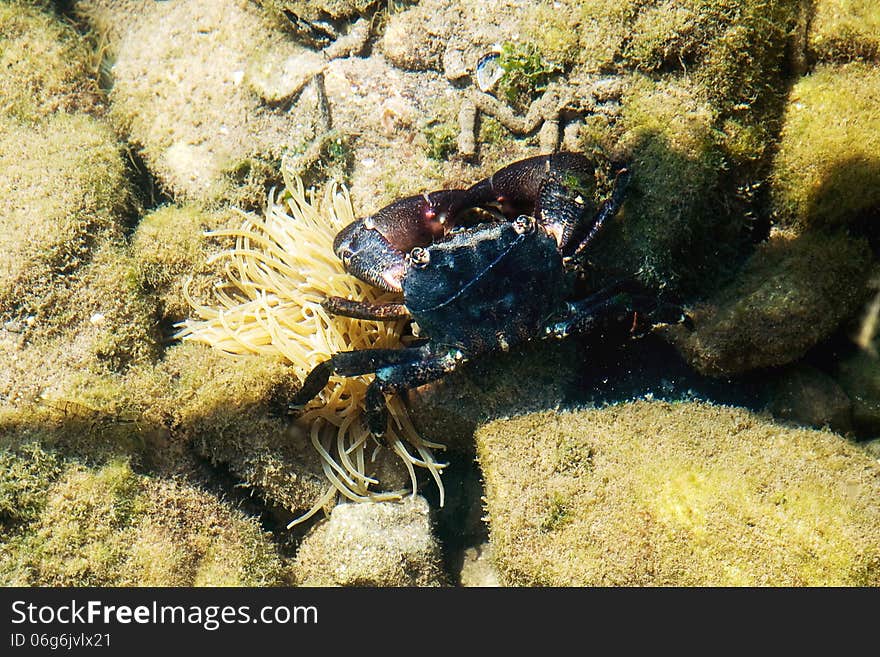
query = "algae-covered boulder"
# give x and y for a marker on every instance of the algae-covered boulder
(827, 170)
(844, 30)
(182, 93)
(807, 396)
(450, 409)
(65, 294)
(859, 375)
(58, 197)
(792, 293)
(109, 526)
(171, 252)
(380, 544)
(652, 493)
(670, 229)
(45, 66)
(233, 413)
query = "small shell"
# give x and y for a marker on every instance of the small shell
(488, 70)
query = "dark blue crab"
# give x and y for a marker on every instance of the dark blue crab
(481, 269)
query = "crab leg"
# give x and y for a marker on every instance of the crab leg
(394, 378)
(364, 309)
(350, 363)
(612, 307)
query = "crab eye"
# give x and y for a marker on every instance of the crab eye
(345, 256)
(419, 257)
(523, 224)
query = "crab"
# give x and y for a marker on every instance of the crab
(480, 269)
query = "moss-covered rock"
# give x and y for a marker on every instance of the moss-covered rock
(477, 569)
(26, 473)
(45, 66)
(182, 94)
(109, 526)
(651, 493)
(58, 197)
(170, 250)
(859, 376)
(827, 170)
(232, 411)
(671, 228)
(792, 293)
(381, 544)
(844, 30)
(449, 410)
(809, 397)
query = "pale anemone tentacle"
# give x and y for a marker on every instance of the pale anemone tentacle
(279, 269)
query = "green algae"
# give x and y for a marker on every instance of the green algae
(526, 73)
(108, 526)
(441, 137)
(683, 494)
(169, 249)
(26, 473)
(844, 30)
(58, 197)
(792, 293)
(674, 225)
(827, 170)
(45, 66)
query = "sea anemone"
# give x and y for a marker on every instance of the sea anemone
(277, 273)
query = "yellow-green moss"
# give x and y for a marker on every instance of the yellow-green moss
(26, 473)
(233, 412)
(827, 170)
(672, 225)
(845, 30)
(441, 138)
(736, 49)
(169, 247)
(792, 293)
(126, 320)
(527, 72)
(45, 66)
(108, 526)
(63, 185)
(678, 494)
(554, 27)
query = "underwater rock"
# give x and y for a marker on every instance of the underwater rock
(232, 412)
(378, 544)
(64, 278)
(424, 52)
(872, 447)
(668, 233)
(844, 30)
(45, 66)
(792, 293)
(58, 197)
(477, 570)
(203, 130)
(449, 410)
(807, 396)
(859, 376)
(827, 170)
(418, 38)
(169, 250)
(684, 494)
(107, 526)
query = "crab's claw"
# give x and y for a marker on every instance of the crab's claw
(374, 248)
(365, 253)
